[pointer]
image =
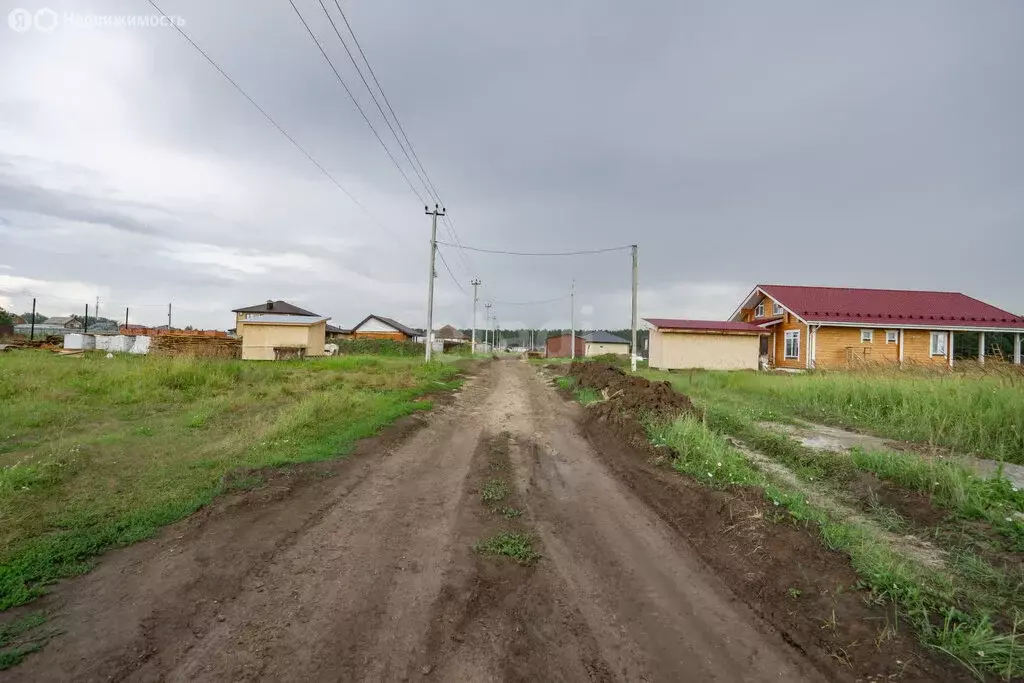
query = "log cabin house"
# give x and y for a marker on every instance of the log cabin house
(838, 327)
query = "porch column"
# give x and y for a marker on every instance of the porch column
(1016, 348)
(902, 332)
(949, 347)
(981, 348)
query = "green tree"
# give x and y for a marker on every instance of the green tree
(5, 317)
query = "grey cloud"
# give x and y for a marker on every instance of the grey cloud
(864, 144)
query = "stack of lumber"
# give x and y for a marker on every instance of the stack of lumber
(191, 345)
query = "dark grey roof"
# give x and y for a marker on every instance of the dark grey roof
(408, 331)
(603, 338)
(279, 307)
(331, 329)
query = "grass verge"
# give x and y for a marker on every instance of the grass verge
(98, 453)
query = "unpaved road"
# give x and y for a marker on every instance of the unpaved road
(369, 574)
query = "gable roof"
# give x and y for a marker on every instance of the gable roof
(278, 307)
(449, 332)
(896, 307)
(407, 331)
(706, 325)
(601, 337)
(332, 329)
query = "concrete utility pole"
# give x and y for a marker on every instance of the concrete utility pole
(572, 321)
(476, 283)
(487, 324)
(96, 313)
(632, 352)
(32, 328)
(86, 328)
(168, 317)
(430, 288)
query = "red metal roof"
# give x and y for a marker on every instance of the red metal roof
(890, 307)
(705, 325)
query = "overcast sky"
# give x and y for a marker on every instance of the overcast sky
(868, 143)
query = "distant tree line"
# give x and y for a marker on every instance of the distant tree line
(521, 336)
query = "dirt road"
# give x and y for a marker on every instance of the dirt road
(368, 574)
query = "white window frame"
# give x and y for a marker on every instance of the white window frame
(892, 336)
(777, 309)
(759, 310)
(795, 336)
(867, 336)
(940, 348)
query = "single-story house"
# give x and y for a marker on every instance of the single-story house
(709, 344)
(276, 336)
(830, 327)
(242, 315)
(378, 327)
(336, 333)
(560, 346)
(601, 343)
(449, 334)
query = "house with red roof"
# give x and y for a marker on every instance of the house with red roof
(838, 327)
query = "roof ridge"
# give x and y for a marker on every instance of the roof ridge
(873, 289)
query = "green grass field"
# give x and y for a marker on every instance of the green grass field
(983, 415)
(97, 453)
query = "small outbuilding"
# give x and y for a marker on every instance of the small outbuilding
(273, 336)
(603, 343)
(706, 344)
(560, 346)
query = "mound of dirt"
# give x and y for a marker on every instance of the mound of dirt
(630, 394)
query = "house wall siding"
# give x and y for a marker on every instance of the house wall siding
(833, 342)
(598, 349)
(259, 340)
(683, 350)
(789, 322)
(559, 347)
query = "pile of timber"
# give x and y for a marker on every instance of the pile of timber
(192, 345)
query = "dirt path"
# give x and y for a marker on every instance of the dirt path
(369, 574)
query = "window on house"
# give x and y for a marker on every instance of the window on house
(792, 344)
(938, 343)
(759, 311)
(892, 336)
(866, 336)
(777, 309)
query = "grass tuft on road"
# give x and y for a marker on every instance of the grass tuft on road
(97, 453)
(519, 547)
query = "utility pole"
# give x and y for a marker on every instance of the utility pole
(487, 325)
(126, 316)
(632, 362)
(86, 328)
(572, 321)
(430, 285)
(32, 328)
(476, 283)
(168, 317)
(96, 313)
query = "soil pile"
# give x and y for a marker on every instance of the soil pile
(630, 394)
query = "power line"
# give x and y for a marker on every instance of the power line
(267, 116)
(450, 273)
(529, 303)
(428, 183)
(546, 253)
(351, 96)
(359, 71)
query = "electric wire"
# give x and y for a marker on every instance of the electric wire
(539, 253)
(353, 98)
(267, 116)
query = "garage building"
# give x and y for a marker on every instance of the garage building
(707, 344)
